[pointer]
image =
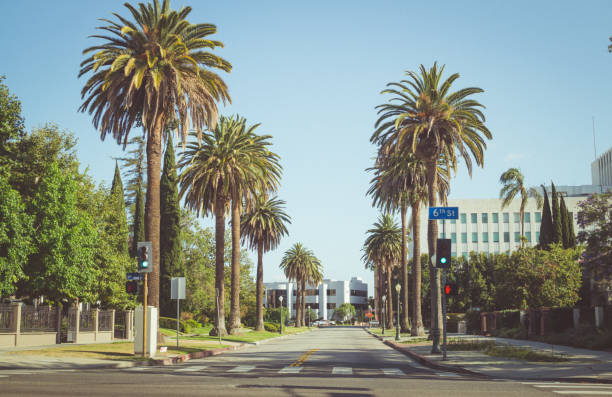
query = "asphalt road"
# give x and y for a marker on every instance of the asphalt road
(325, 362)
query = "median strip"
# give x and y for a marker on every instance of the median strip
(303, 358)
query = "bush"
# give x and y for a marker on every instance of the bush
(271, 327)
(512, 333)
(508, 319)
(193, 323)
(559, 319)
(587, 316)
(584, 336)
(170, 323)
(472, 318)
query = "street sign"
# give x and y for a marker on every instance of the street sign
(177, 288)
(135, 276)
(443, 212)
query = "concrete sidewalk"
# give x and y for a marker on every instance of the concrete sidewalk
(582, 364)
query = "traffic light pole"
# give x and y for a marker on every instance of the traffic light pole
(444, 316)
(144, 317)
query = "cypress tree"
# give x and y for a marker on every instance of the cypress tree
(557, 229)
(546, 223)
(570, 227)
(117, 199)
(564, 224)
(138, 230)
(170, 264)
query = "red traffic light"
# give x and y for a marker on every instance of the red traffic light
(450, 289)
(131, 287)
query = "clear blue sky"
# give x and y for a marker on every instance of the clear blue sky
(311, 73)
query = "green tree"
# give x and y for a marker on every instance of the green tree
(262, 228)
(514, 185)
(231, 163)
(15, 237)
(595, 222)
(153, 71)
(546, 224)
(557, 229)
(117, 196)
(345, 312)
(427, 119)
(171, 260)
(12, 127)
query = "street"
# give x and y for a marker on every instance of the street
(325, 362)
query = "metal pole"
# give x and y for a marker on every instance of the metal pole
(397, 330)
(444, 315)
(177, 322)
(144, 317)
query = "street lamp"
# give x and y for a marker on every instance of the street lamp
(370, 318)
(398, 288)
(384, 298)
(308, 316)
(280, 298)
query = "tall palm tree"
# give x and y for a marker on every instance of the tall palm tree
(383, 247)
(262, 228)
(514, 184)
(296, 263)
(228, 164)
(151, 71)
(313, 276)
(399, 180)
(426, 119)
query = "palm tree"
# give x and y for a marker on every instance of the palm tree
(227, 165)
(262, 228)
(151, 71)
(383, 247)
(297, 263)
(514, 185)
(434, 124)
(313, 276)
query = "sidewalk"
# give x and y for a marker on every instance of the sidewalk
(583, 365)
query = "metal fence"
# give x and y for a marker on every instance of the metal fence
(87, 321)
(38, 319)
(7, 322)
(105, 320)
(120, 331)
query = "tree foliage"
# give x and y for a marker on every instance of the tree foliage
(595, 220)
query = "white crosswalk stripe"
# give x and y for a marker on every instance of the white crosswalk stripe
(137, 369)
(342, 371)
(290, 370)
(584, 389)
(193, 368)
(447, 374)
(242, 368)
(393, 371)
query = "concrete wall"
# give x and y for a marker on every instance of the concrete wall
(37, 339)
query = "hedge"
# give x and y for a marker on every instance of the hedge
(559, 319)
(170, 323)
(472, 318)
(271, 327)
(508, 319)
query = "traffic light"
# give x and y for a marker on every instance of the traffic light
(450, 289)
(131, 287)
(144, 251)
(443, 253)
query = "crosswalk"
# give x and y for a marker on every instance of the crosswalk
(264, 370)
(574, 389)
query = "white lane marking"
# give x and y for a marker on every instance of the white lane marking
(3, 376)
(393, 371)
(137, 368)
(582, 386)
(342, 371)
(447, 374)
(587, 392)
(290, 370)
(242, 368)
(193, 368)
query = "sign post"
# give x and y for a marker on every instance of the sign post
(442, 260)
(177, 291)
(145, 265)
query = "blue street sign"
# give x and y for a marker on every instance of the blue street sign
(443, 212)
(135, 276)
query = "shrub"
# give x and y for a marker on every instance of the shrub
(512, 333)
(271, 327)
(193, 323)
(587, 316)
(508, 318)
(559, 319)
(170, 323)
(472, 318)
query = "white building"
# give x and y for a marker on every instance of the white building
(484, 227)
(323, 298)
(601, 170)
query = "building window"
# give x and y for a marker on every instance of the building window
(312, 292)
(474, 218)
(331, 292)
(440, 222)
(359, 292)
(314, 306)
(506, 237)
(464, 237)
(517, 217)
(485, 218)
(538, 237)
(495, 217)
(538, 217)
(517, 237)
(528, 236)
(453, 221)
(496, 237)
(454, 254)
(294, 292)
(453, 237)
(331, 305)
(506, 217)
(440, 235)
(463, 218)
(465, 255)
(485, 237)
(527, 217)
(474, 237)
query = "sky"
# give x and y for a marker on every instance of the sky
(311, 73)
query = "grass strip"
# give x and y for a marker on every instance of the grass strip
(506, 351)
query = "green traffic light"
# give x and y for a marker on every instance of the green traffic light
(145, 264)
(443, 260)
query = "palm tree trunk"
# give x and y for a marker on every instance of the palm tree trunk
(298, 296)
(234, 326)
(434, 273)
(219, 266)
(379, 294)
(389, 309)
(522, 215)
(260, 322)
(302, 319)
(417, 318)
(152, 205)
(405, 322)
